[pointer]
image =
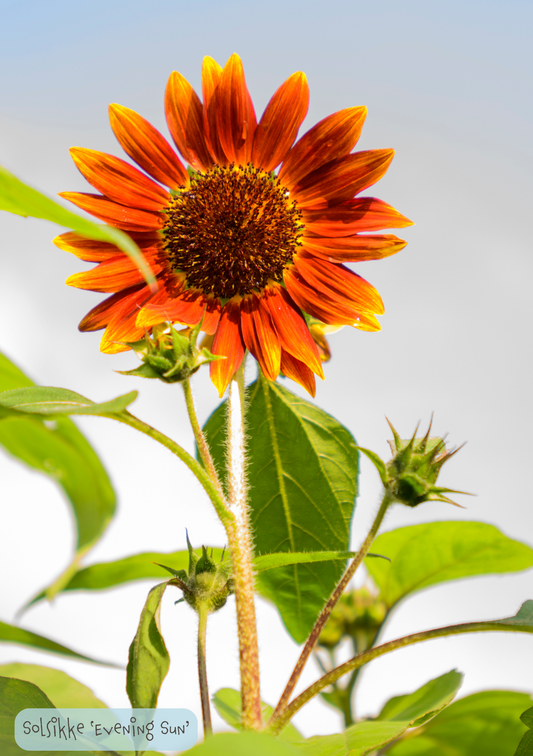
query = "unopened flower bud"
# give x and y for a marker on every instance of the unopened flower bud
(207, 585)
(411, 474)
(358, 615)
(169, 355)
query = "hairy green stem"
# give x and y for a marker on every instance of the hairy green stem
(240, 543)
(279, 711)
(200, 439)
(202, 671)
(195, 467)
(374, 653)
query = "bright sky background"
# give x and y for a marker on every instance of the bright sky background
(448, 85)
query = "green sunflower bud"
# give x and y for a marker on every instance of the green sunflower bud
(207, 585)
(411, 475)
(170, 355)
(358, 615)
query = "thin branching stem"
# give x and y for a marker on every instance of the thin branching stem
(373, 653)
(201, 441)
(195, 467)
(202, 671)
(279, 712)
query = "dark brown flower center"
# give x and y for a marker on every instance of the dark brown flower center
(232, 230)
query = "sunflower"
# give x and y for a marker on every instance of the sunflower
(250, 249)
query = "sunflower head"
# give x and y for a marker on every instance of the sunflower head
(247, 230)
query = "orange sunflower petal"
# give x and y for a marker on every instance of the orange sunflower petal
(211, 75)
(354, 248)
(292, 329)
(144, 144)
(228, 342)
(100, 315)
(184, 114)
(260, 336)
(279, 124)
(126, 218)
(298, 371)
(328, 140)
(91, 250)
(114, 274)
(118, 180)
(340, 284)
(121, 326)
(320, 306)
(353, 216)
(236, 121)
(185, 307)
(340, 179)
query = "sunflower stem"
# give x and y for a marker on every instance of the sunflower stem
(240, 543)
(282, 707)
(217, 498)
(202, 671)
(373, 653)
(200, 439)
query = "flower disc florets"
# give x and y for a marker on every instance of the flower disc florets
(232, 231)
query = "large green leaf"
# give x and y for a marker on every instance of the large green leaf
(228, 703)
(357, 740)
(19, 198)
(424, 555)
(302, 476)
(63, 691)
(45, 400)
(16, 695)
(59, 450)
(148, 657)
(424, 703)
(525, 747)
(13, 634)
(398, 715)
(485, 723)
(243, 744)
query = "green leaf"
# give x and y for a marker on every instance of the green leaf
(302, 477)
(228, 703)
(99, 577)
(59, 450)
(44, 400)
(357, 740)
(416, 708)
(525, 747)
(243, 744)
(16, 695)
(270, 561)
(428, 554)
(13, 634)
(398, 715)
(19, 198)
(148, 657)
(485, 723)
(64, 691)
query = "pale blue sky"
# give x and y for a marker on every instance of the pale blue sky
(448, 85)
